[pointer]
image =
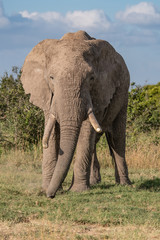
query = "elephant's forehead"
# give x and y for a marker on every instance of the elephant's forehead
(70, 48)
(67, 55)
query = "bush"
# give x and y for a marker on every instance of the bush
(144, 108)
(21, 123)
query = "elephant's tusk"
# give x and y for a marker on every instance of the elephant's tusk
(94, 121)
(48, 128)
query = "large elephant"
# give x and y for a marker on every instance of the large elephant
(82, 86)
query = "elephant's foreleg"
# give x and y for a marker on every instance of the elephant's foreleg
(110, 143)
(116, 140)
(95, 176)
(84, 151)
(50, 156)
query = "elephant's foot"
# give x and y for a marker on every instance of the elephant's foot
(125, 181)
(122, 180)
(95, 176)
(79, 187)
(117, 180)
(94, 180)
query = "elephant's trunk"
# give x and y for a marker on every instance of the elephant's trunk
(68, 141)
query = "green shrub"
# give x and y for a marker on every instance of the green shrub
(144, 108)
(21, 123)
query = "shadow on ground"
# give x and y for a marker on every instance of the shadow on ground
(102, 186)
(151, 185)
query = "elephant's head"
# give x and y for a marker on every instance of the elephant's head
(61, 77)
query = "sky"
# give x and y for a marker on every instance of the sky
(131, 26)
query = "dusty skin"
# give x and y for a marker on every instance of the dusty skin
(82, 86)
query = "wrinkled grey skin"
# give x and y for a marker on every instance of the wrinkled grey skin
(70, 79)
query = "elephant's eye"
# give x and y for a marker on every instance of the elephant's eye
(52, 77)
(92, 78)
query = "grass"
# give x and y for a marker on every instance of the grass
(107, 211)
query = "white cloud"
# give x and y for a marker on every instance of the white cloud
(48, 16)
(3, 20)
(143, 13)
(93, 19)
(34, 26)
(88, 19)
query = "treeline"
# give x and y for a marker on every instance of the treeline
(22, 124)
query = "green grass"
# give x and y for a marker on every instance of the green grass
(107, 211)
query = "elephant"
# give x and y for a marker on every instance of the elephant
(81, 84)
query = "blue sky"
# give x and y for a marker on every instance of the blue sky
(131, 26)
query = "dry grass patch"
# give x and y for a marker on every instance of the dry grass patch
(43, 229)
(142, 151)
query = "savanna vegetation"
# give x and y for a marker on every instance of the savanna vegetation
(108, 211)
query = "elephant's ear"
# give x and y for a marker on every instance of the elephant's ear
(111, 70)
(33, 77)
